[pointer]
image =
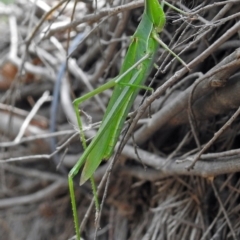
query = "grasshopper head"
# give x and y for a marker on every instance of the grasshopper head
(155, 12)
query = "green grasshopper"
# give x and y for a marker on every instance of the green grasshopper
(135, 69)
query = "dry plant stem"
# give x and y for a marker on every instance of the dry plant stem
(170, 205)
(201, 36)
(224, 20)
(39, 103)
(221, 154)
(179, 147)
(168, 220)
(179, 84)
(60, 164)
(47, 192)
(193, 126)
(188, 212)
(57, 185)
(164, 115)
(230, 44)
(96, 17)
(230, 196)
(215, 4)
(57, 85)
(140, 173)
(42, 156)
(203, 20)
(68, 37)
(39, 136)
(23, 59)
(91, 54)
(98, 32)
(207, 231)
(191, 116)
(111, 48)
(66, 100)
(14, 37)
(178, 223)
(202, 168)
(223, 11)
(8, 10)
(106, 176)
(99, 188)
(181, 29)
(223, 209)
(33, 173)
(217, 101)
(18, 116)
(36, 70)
(215, 137)
(197, 37)
(226, 183)
(44, 17)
